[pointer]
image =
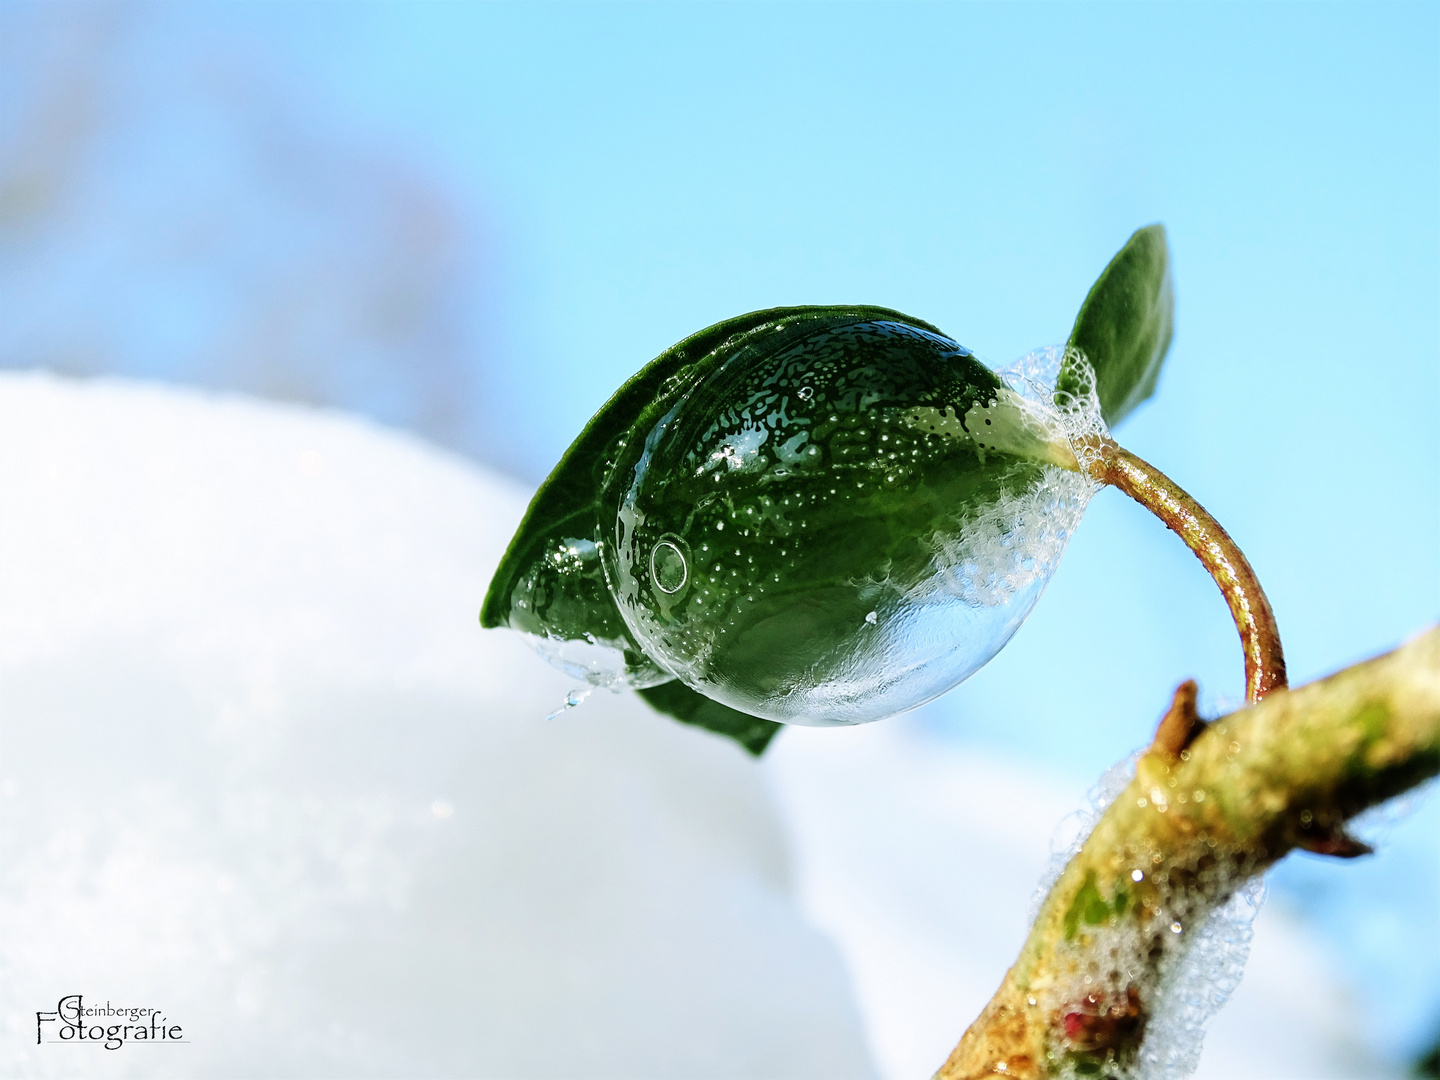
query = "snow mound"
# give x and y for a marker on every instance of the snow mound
(263, 771)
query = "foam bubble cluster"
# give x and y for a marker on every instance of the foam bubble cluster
(991, 556)
(1071, 415)
(1151, 963)
(1202, 975)
(998, 551)
(1074, 830)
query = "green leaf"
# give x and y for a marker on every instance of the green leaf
(789, 508)
(678, 700)
(1125, 325)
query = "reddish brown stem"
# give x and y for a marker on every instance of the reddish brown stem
(1259, 637)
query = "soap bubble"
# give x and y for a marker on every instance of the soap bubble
(841, 523)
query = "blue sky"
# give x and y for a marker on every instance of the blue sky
(612, 178)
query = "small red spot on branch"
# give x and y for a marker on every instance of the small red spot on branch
(1094, 1024)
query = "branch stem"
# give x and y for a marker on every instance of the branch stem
(1210, 806)
(1110, 463)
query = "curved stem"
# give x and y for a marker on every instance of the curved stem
(1110, 463)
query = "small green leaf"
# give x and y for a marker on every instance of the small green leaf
(1125, 325)
(678, 700)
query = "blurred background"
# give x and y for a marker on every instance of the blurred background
(475, 221)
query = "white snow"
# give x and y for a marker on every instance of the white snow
(260, 768)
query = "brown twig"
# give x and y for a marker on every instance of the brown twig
(1109, 463)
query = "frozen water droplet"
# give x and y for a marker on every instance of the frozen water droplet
(806, 393)
(572, 700)
(872, 618)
